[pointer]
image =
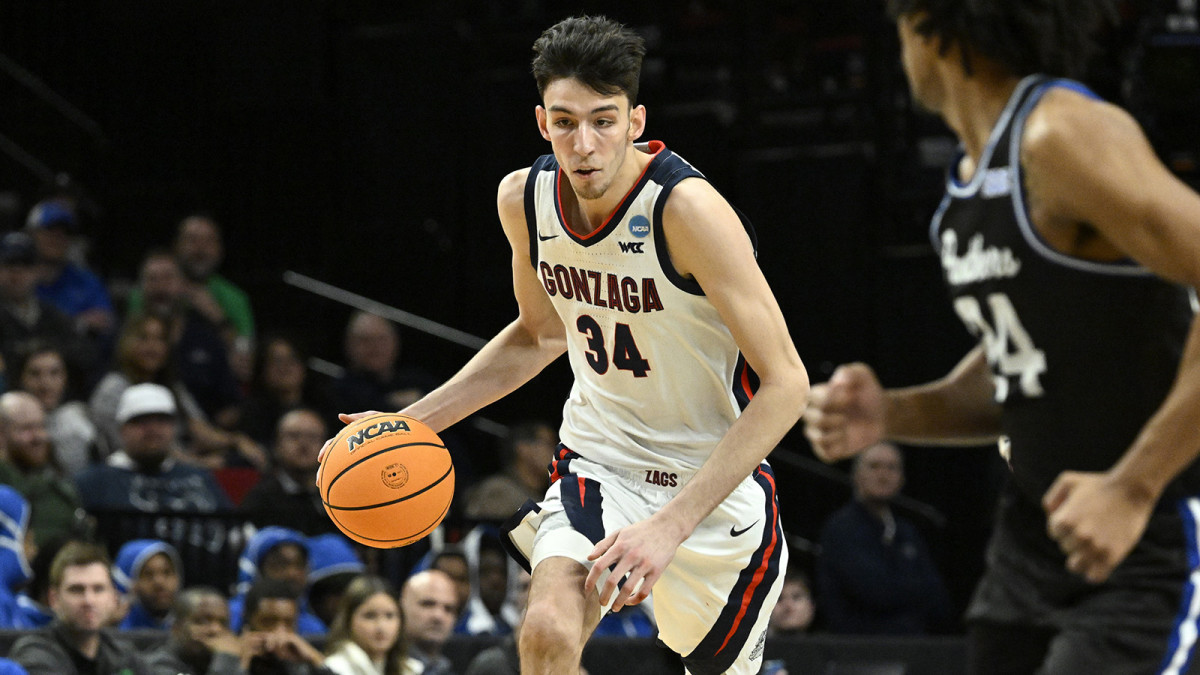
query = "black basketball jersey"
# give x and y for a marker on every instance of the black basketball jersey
(1082, 352)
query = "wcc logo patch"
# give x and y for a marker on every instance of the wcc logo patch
(632, 246)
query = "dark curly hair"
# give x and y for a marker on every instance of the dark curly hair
(597, 51)
(1054, 37)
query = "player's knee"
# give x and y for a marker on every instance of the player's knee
(549, 631)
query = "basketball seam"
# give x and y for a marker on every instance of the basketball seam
(397, 500)
(329, 488)
(409, 538)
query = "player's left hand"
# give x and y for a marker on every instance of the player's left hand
(1095, 521)
(643, 550)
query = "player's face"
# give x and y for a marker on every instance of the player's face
(375, 625)
(591, 134)
(85, 599)
(918, 55)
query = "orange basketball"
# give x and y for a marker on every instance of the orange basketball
(387, 480)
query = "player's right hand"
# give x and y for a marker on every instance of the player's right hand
(845, 414)
(346, 418)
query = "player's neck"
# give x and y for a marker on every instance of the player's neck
(588, 215)
(974, 103)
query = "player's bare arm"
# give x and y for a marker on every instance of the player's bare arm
(708, 243)
(518, 352)
(1135, 208)
(852, 411)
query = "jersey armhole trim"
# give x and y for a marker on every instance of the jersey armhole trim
(1127, 267)
(660, 237)
(531, 205)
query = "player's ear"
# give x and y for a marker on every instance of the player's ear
(637, 122)
(542, 119)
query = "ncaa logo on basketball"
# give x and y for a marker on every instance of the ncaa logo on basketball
(639, 226)
(377, 429)
(394, 476)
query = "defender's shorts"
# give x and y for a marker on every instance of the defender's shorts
(1030, 615)
(713, 601)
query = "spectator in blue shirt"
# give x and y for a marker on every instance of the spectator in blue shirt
(14, 567)
(149, 573)
(66, 284)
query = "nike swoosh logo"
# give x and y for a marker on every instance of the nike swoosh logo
(734, 532)
(545, 237)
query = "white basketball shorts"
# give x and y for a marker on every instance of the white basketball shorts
(713, 601)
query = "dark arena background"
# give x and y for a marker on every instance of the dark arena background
(360, 143)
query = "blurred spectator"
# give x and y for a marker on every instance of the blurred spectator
(430, 606)
(72, 288)
(24, 318)
(201, 642)
(635, 621)
(143, 355)
(527, 451)
(149, 573)
(793, 613)
(488, 610)
(373, 380)
(333, 563)
(270, 633)
(14, 560)
(143, 475)
(201, 250)
(875, 574)
(278, 554)
(34, 599)
(199, 352)
(504, 658)
(42, 371)
(84, 600)
(453, 562)
(288, 495)
(31, 469)
(365, 637)
(280, 383)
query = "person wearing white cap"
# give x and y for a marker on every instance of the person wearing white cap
(144, 475)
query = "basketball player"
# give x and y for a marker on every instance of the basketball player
(1068, 248)
(627, 259)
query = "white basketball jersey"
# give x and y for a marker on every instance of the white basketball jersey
(658, 377)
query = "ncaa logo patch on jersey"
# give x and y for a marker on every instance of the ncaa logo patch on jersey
(639, 226)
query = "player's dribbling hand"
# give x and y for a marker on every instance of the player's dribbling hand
(346, 418)
(643, 550)
(1095, 521)
(845, 414)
